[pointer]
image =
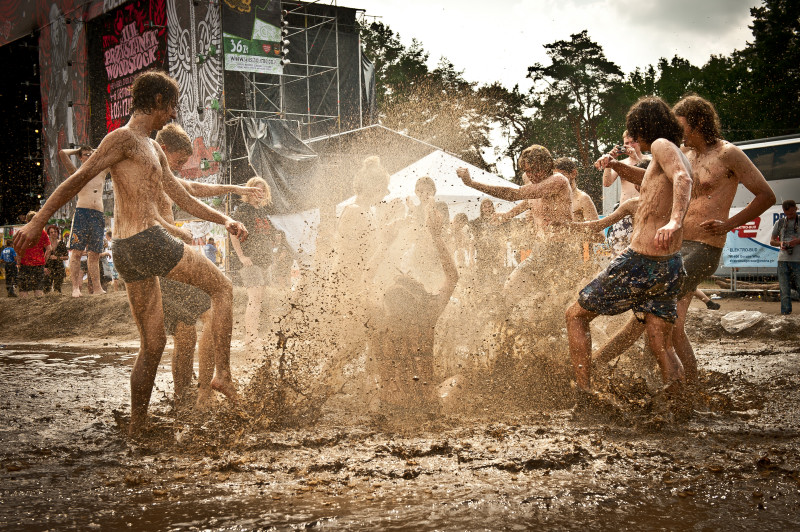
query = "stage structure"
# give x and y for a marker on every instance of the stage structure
(325, 85)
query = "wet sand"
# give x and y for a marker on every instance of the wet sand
(502, 464)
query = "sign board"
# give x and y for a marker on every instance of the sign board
(747, 246)
(122, 44)
(251, 35)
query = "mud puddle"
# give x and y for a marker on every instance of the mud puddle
(65, 464)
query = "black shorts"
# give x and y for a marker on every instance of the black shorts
(183, 303)
(151, 253)
(700, 262)
(30, 278)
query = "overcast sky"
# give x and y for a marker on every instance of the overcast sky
(498, 39)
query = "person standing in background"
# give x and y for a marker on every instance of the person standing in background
(786, 236)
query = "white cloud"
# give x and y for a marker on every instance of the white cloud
(498, 40)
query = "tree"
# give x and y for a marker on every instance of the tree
(437, 106)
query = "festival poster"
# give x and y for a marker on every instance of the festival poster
(123, 43)
(747, 246)
(251, 35)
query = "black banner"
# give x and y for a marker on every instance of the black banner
(123, 43)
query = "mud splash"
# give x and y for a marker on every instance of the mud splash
(66, 465)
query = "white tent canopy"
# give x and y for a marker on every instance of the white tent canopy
(441, 167)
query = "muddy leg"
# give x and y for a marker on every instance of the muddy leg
(145, 301)
(622, 340)
(198, 271)
(252, 315)
(185, 338)
(580, 343)
(680, 341)
(659, 332)
(93, 266)
(205, 355)
(75, 273)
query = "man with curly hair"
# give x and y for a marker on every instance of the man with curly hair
(648, 276)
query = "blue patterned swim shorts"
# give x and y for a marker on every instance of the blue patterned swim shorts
(646, 285)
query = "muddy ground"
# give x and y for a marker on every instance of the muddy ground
(499, 457)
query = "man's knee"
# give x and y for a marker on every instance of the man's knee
(577, 313)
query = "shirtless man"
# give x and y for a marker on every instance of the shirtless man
(143, 250)
(619, 235)
(184, 304)
(583, 209)
(647, 277)
(554, 211)
(719, 167)
(88, 224)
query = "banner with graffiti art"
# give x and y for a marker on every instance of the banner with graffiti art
(747, 246)
(123, 43)
(251, 31)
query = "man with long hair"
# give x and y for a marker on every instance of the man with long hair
(647, 277)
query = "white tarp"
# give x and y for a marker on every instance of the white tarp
(441, 167)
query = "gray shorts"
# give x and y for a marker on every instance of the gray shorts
(253, 276)
(700, 262)
(183, 303)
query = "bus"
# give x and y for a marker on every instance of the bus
(778, 158)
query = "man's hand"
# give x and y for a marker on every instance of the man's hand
(463, 174)
(256, 193)
(237, 229)
(664, 234)
(246, 261)
(26, 237)
(716, 227)
(603, 162)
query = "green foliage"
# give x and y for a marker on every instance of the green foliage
(578, 102)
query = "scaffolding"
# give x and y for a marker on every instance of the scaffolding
(312, 37)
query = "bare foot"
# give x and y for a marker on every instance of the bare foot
(76, 292)
(226, 388)
(98, 292)
(205, 399)
(137, 427)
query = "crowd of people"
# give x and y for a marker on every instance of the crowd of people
(392, 268)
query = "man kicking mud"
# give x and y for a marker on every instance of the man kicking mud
(88, 224)
(647, 277)
(553, 213)
(719, 168)
(144, 250)
(184, 304)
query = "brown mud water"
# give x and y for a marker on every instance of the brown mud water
(506, 460)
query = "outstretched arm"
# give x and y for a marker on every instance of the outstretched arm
(185, 201)
(206, 190)
(503, 217)
(673, 163)
(628, 172)
(114, 148)
(506, 193)
(627, 207)
(754, 181)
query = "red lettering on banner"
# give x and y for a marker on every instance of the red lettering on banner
(748, 230)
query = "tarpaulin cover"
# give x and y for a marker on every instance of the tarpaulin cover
(285, 162)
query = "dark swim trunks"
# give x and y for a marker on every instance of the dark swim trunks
(183, 303)
(151, 253)
(88, 226)
(700, 262)
(647, 285)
